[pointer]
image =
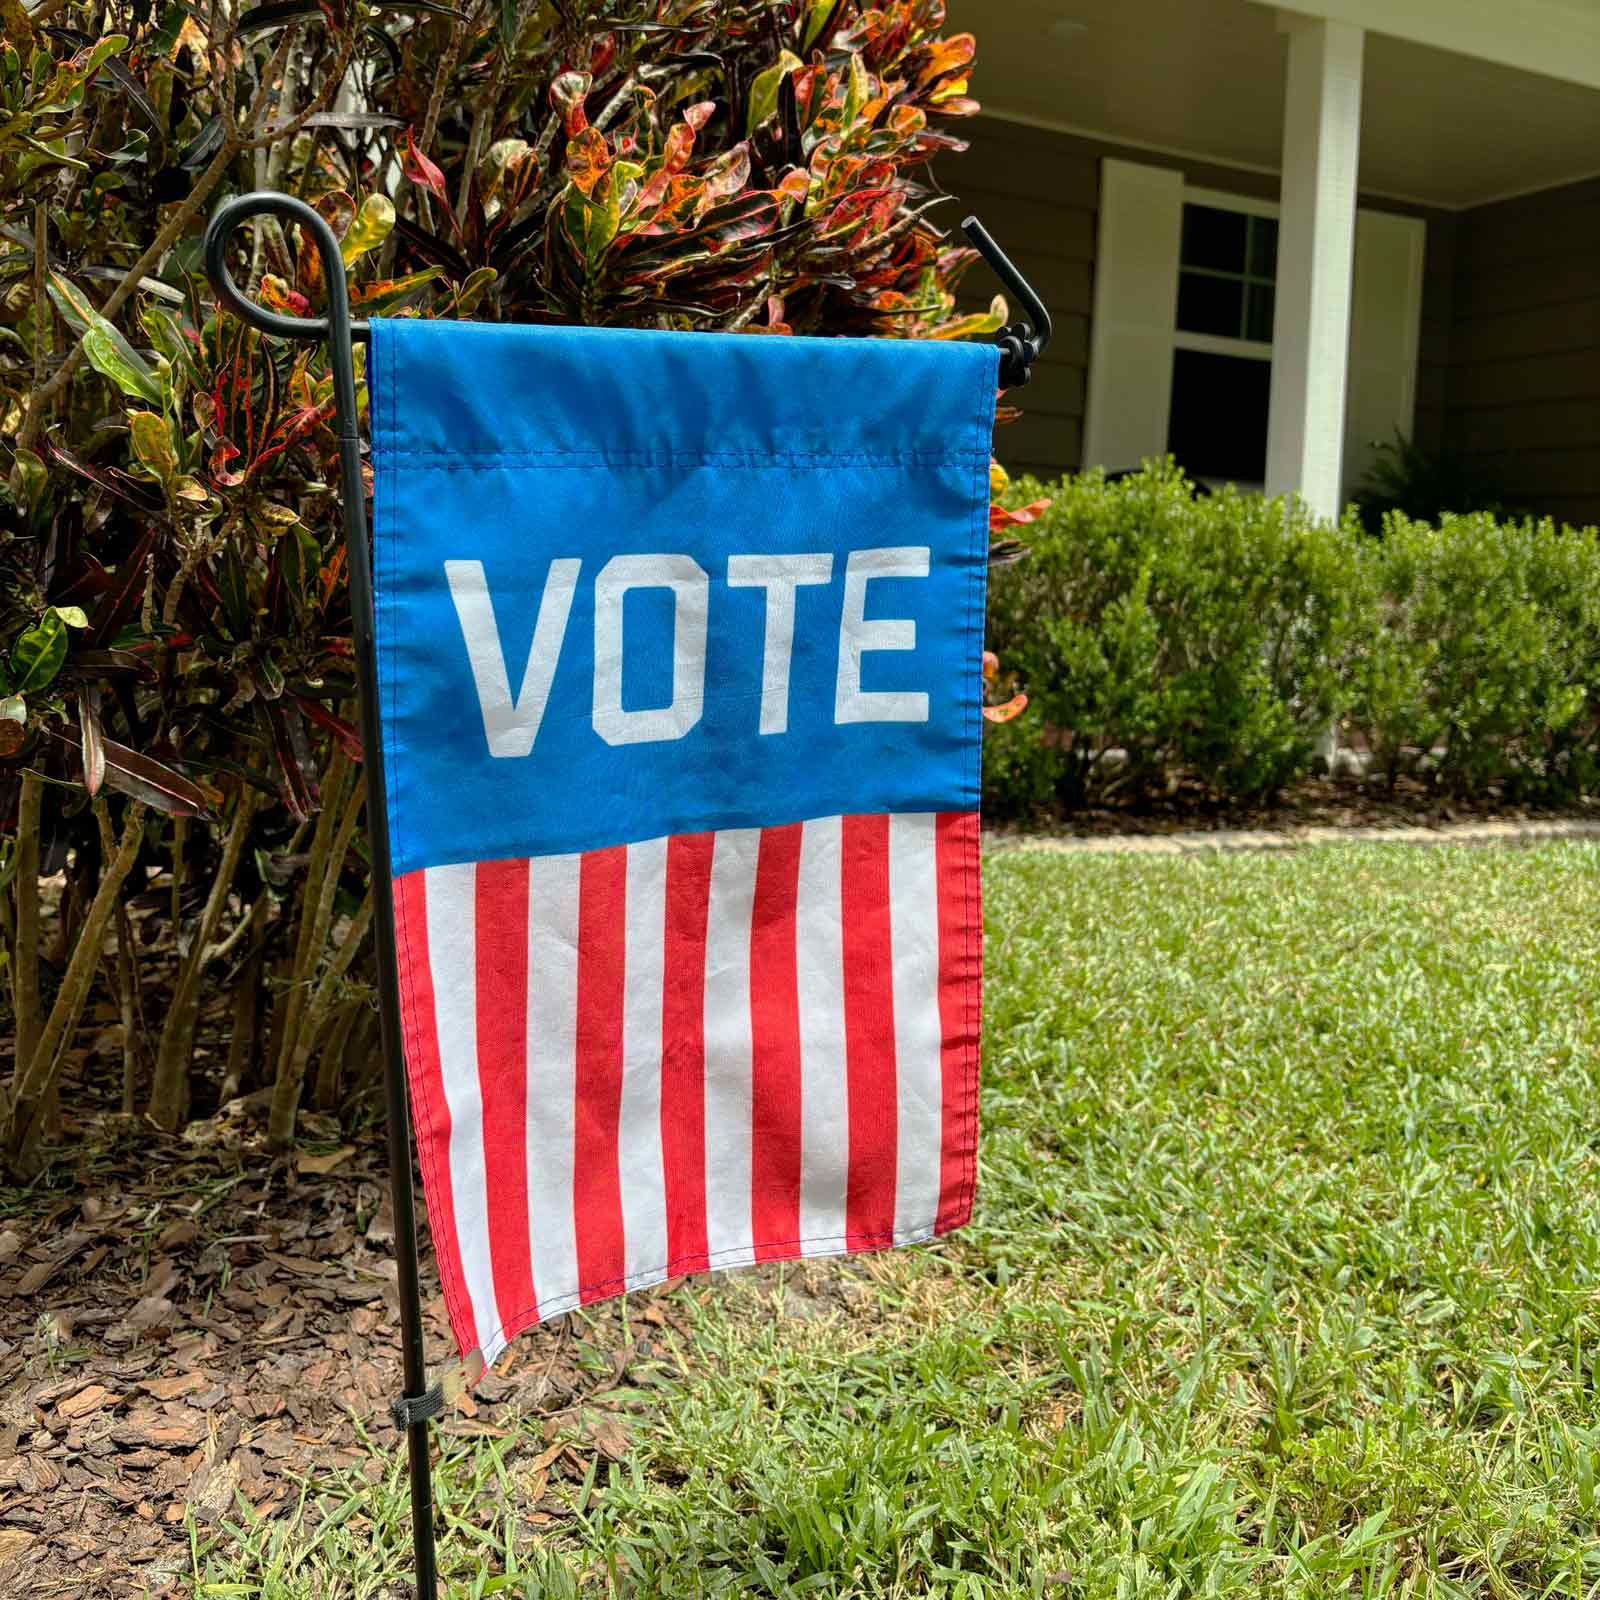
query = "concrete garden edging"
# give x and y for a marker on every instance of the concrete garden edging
(1224, 841)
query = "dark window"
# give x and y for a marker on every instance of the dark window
(1218, 427)
(1227, 265)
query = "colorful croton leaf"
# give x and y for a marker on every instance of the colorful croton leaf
(1000, 711)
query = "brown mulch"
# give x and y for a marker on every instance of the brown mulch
(1188, 807)
(187, 1326)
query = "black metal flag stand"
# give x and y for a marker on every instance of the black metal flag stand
(1020, 344)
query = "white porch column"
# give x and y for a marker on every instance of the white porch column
(1316, 251)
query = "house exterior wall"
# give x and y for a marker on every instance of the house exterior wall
(1038, 192)
(1521, 397)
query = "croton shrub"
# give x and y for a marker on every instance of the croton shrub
(176, 717)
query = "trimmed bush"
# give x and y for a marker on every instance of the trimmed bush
(1484, 656)
(1209, 633)
(1222, 635)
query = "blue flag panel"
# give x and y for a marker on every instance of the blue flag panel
(635, 584)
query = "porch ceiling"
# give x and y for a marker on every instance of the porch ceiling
(1205, 78)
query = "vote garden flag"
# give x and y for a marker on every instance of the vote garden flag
(679, 651)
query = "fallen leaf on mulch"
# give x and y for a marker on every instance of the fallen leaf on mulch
(83, 1402)
(181, 1232)
(609, 1437)
(35, 1278)
(152, 1312)
(320, 1166)
(10, 1243)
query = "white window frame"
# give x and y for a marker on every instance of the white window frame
(1133, 334)
(1216, 344)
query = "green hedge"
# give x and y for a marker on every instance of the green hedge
(1158, 632)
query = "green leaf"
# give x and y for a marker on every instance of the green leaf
(28, 478)
(234, 590)
(370, 226)
(472, 291)
(113, 357)
(764, 90)
(13, 709)
(390, 292)
(817, 12)
(37, 656)
(72, 303)
(73, 616)
(152, 443)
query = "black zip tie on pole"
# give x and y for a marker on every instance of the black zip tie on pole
(1020, 345)
(414, 1410)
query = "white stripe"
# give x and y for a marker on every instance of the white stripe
(644, 1198)
(919, 1084)
(450, 894)
(552, 1078)
(824, 1084)
(728, 1046)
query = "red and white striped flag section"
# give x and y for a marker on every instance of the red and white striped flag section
(681, 730)
(687, 1053)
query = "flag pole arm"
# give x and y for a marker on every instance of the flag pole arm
(1020, 344)
(338, 330)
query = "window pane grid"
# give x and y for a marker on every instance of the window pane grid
(1227, 272)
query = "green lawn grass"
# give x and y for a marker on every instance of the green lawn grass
(1283, 1281)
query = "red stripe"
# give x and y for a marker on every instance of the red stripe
(501, 938)
(775, 1048)
(429, 1107)
(597, 1178)
(960, 1002)
(683, 1050)
(868, 1032)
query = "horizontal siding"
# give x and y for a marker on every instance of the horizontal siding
(1534, 229)
(1438, 320)
(1038, 192)
(1523, 397)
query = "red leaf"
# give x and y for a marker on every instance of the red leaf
(94, 750)
(349, 739)
(126, 591)
(1004, 517)
(1014, 707)
(141, 777)
(220, 459)
(296, 771)
(421, 171)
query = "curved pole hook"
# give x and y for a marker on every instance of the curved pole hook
(1020, 344)
(337, 327)
(225, 222)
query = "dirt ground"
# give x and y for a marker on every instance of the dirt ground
(1312, 802)
(187, 1324)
